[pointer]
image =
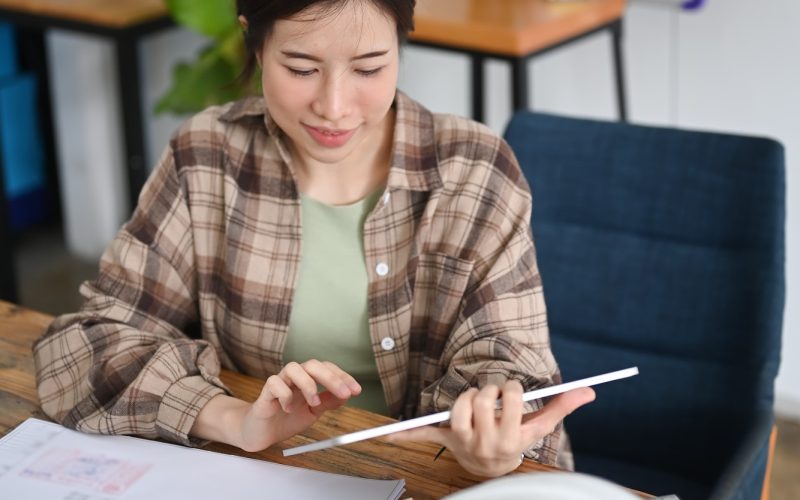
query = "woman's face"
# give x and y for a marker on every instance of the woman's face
(329, 80)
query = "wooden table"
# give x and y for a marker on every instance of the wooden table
(516, 31)
(374, 459)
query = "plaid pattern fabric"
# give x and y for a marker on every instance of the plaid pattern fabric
(203, 276)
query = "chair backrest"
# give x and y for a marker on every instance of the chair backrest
(664, 249)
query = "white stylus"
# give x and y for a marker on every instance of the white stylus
(444, 416)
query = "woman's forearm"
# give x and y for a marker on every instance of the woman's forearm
(221, 420)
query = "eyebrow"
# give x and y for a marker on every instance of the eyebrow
(302, 55)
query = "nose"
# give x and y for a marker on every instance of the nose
(332, 101)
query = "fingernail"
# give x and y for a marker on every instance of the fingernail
(344, 391)
(315, 401)
(355, 387)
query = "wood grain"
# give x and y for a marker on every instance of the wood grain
(106, 13)
(506, 27)
(375, 459)
(509, 27)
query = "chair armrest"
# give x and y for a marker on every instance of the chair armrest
(743, 478)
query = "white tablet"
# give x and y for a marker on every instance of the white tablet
(444, 416)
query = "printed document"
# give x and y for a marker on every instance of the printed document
(41, 459)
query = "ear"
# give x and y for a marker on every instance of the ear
(243, 23)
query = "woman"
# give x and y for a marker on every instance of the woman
(330, 233)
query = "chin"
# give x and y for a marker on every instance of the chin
(332, 156)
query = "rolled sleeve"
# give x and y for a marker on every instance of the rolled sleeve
(181, 405)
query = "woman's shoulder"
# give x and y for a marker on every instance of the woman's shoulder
(469, 150)
(459, 142)
(451, 134)
(465, 139)
(225, 118)
(472, 162)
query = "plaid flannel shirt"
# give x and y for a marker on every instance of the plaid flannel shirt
(203, 276)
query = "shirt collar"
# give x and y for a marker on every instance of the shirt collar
(415, 165)
(414, 162)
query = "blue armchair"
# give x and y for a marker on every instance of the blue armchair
(664, 249)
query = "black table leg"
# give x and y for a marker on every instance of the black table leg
(130, 85)
(619, 70)
(478, 87)
(34, 58)
(519, 84)
(8, 278)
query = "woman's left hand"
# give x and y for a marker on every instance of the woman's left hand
(487, 445)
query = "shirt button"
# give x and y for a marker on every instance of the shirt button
(387, 343)
(386, 197)
(382, 269)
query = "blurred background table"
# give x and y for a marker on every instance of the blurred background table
(516, 31)
(125, 22)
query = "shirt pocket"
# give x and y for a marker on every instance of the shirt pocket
(439, 287)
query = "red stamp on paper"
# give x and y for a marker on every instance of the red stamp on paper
(95, 472)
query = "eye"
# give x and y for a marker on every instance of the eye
(369, 72)
(301, 72)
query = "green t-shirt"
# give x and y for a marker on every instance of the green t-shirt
(329, 320)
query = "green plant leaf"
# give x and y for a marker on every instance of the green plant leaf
(202, 83)
(231, 47)
(213, 18)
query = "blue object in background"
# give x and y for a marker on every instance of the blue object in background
(22, 151)
(21, 148)
(663, 249)
(692, 4)
(8, 51)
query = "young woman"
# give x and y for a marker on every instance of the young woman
(331, 233)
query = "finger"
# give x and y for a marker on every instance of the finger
(298, 401)
(327, 378)
(348, 379)
(277, 389)
(511, 418)
(428, 433)
(461, 415)
(266, 404)
(294, 375)
(327, 402)
(544, 421)
(483, 416)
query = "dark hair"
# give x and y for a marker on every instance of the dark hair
(262, 14)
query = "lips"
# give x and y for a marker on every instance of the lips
(329, 138)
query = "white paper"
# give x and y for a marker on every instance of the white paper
(40, 460)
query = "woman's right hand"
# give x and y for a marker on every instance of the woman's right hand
(289, 403)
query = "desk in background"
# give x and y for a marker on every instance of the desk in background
(375, 458)
(516, 31)
(124, 22)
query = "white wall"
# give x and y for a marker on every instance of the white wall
(159, 52)
(740, 72)
(731, 67)
(88, 140)
(88, 131)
